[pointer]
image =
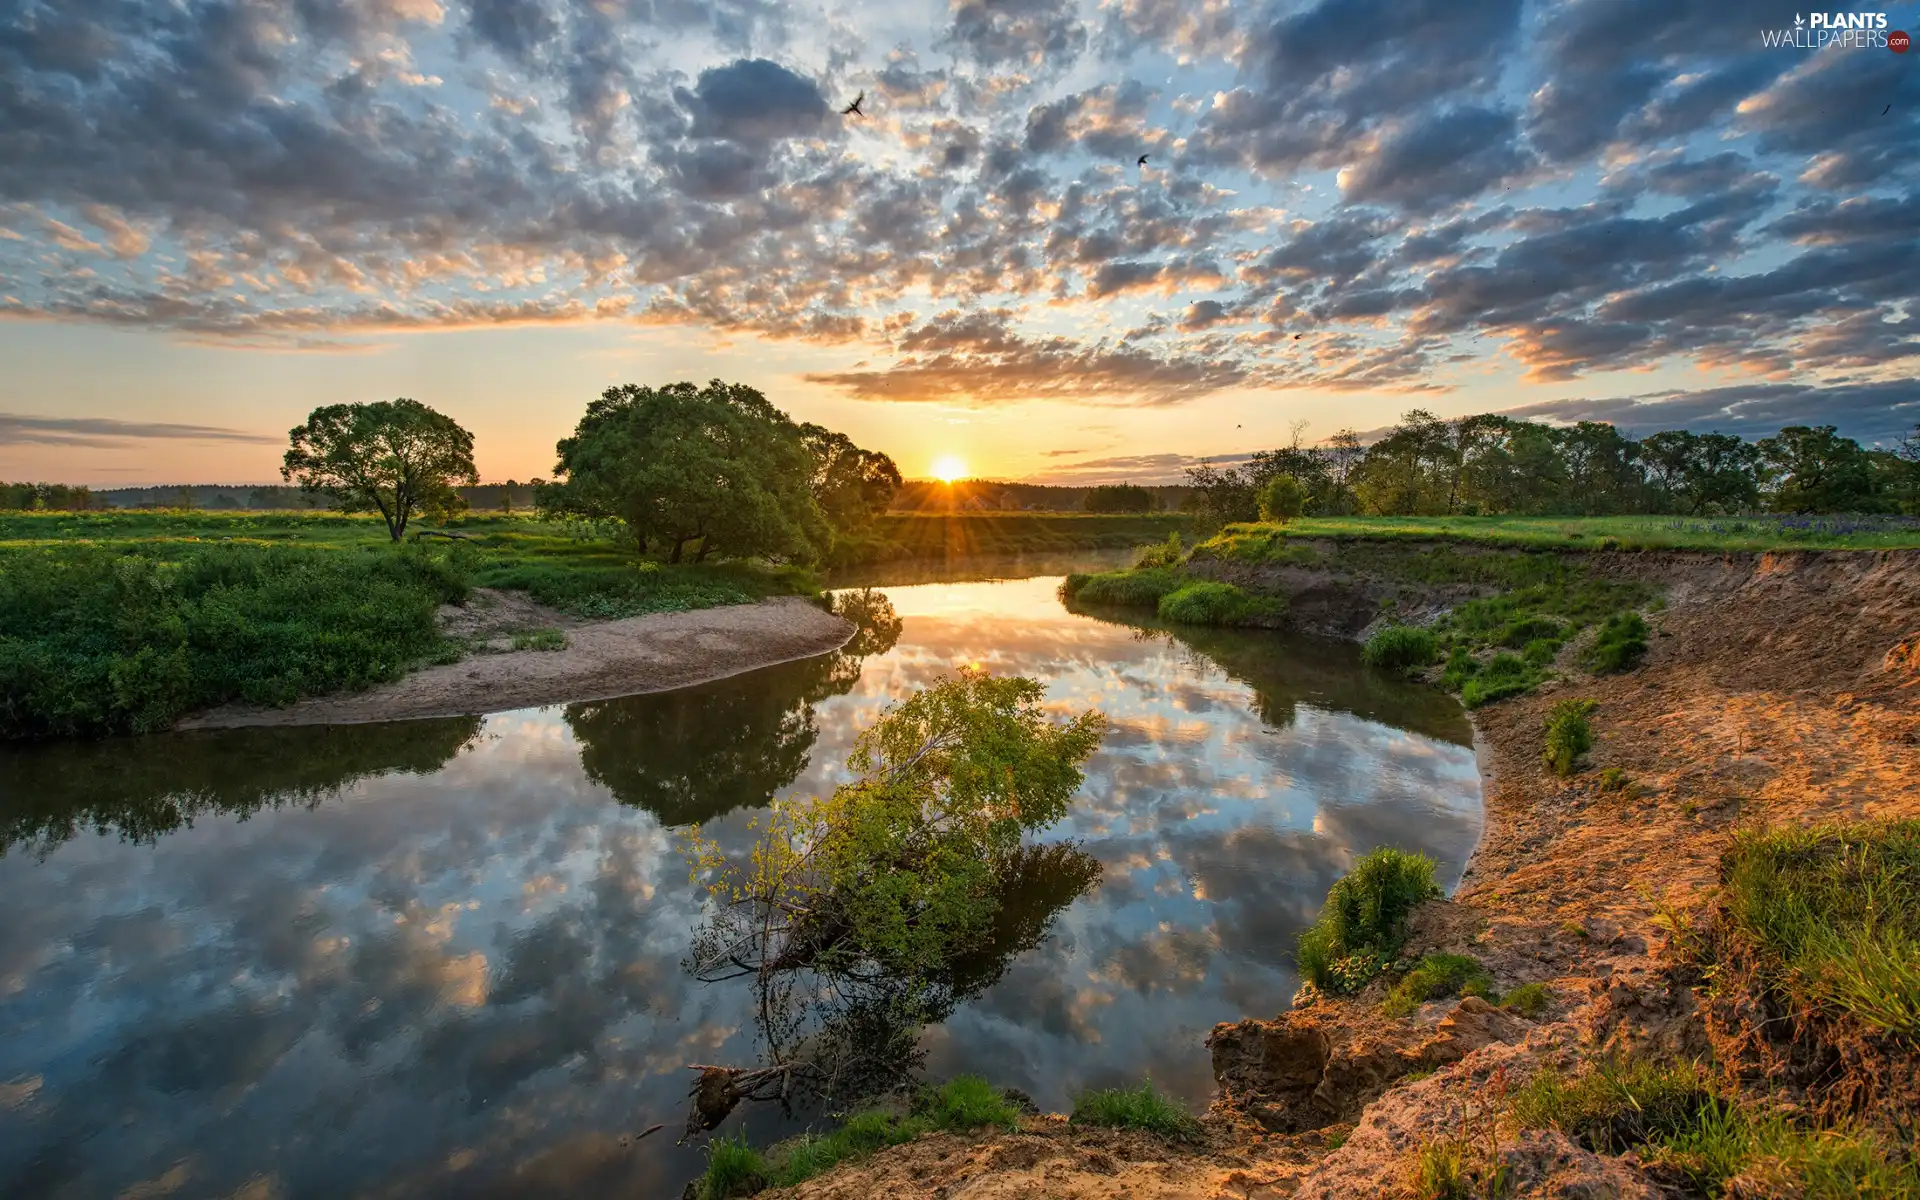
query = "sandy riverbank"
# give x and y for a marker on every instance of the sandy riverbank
(602, 659)
(1782, 689)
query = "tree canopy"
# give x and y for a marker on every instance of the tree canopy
(398, 457)
(1118, 498)
(719, 466)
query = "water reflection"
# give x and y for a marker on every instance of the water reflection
(416, 960)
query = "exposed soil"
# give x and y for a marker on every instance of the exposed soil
(1780, 688)
(602, 659)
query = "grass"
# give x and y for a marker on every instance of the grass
(1529, 999)
(1364, 922)
(1141, 1107)
(1678, 1121)
(1401, 647)
(734, 1168)
(120, 622)
(1209, 603)
(1503, 675)
(1833, 918)
(1137, 588)
(1766, 532)
(1569, 735)
(539, 639)
(1436, 976)
(1621, 644)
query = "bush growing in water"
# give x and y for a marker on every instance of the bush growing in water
(1401, 646)
(97, 642)
(1568, 735)
(1208, 603)
(1622, 643)
(1364, 922)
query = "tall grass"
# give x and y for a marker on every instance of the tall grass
(1139, 588)
(99, 641)
(1569, 735)
(1401, 647)
(1834, 915)
(1208, 603)
(1140, 1107)
(1364, 922)
(1622, 643)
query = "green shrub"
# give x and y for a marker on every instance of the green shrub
(1531, 629)
(1621, 643)
(1461, 666)
(1435, 976)
(1282, 499)
(966, 1102)
(1161, 554)
(1401, 646)
(1364, 921)
(733, 1169)
(539, 639)
(1122, 589)
(1529, 999)
(97, 641)
(1140, 1107)
(1616, 1106)
(1504, 675)
(1208, 603)
(1569, 735)
(1834, 916)
(1613, 779)
(1540, 653)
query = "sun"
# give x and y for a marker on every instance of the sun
(947, 468)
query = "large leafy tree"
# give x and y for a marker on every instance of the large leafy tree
(398, 457)
(1816, 470)
(719, 466)
(851, 485)
(1701, 472)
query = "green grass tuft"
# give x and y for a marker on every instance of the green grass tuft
(1834, 916)
(1401, 647)
(1621, 644)
(1529, 999)
(1141, 588)
(1141, 1107)
(1209, 603)
(1569, 735)
(966, 1102)
(539, 639)
(734, 1168)
(1364, 922)
(1504, 675)
(1435, 976)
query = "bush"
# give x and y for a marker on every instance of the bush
(1364, 921)
(1401, 646)
(95, 641)
(1622, 642)
(1437, 975)
(1529, 629)
(1282, 499)
(1569, 735)
(1540, 653)
(1161, 554)
(1136, 1108)
(1504, 675)
(1461, 666)
(1529, 999)
(1207, 603)
(1834, 918)
(1122, 589)
(966, 1102)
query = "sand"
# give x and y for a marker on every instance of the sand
(603, 659)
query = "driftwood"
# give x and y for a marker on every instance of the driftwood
(452, 537)
(719, 1090)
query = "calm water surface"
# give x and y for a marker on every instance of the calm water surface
(444, 957)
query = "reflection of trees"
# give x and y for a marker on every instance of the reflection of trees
(844, 1030)
(141, 789)
(1286, 671)
(693, 754)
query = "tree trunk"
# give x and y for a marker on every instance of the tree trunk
(679, 543)
(706, 544)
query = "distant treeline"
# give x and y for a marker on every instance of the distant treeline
(1491, 464)
(511, 496)
(982, 495)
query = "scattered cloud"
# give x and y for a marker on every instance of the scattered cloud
(104, 431)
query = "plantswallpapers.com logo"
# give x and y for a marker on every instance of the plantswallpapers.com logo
(1846, 30)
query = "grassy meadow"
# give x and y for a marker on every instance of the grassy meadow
(1762, 532)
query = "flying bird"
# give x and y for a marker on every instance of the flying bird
(1142, 162)
(853, 110)
(1886, 110)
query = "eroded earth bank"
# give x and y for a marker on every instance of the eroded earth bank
(1778, 691)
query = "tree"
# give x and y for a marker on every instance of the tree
(1817, 471)
(1282, 499)
(1118, 498)
(1701, 472)
(678, 464)
(398, 457)
(852, 486)
(1222, 497)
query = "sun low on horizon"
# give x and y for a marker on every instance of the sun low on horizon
(949, 468)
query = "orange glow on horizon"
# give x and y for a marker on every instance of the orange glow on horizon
(948, 469)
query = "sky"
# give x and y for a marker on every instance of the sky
(216, 215)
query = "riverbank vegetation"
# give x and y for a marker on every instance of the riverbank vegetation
(1364, 921)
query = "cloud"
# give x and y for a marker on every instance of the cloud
(1871, 413)
(106, 431)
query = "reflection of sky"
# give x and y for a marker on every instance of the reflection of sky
(468, 982)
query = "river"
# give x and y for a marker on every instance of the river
(444, 958)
